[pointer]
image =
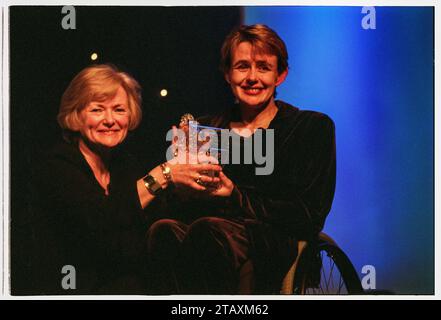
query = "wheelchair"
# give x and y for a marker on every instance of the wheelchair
(321, 268)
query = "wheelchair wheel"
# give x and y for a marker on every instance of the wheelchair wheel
(324, 269)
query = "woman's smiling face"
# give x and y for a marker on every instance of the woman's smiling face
(253, 77)
(105, 123)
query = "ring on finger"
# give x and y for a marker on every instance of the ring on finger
(199, 179)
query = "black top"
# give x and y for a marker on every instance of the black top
(76, 224)
(297, 196)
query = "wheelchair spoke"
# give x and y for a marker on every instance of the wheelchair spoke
(340, 285)
(330, 272)
(324, 279)
(327, 277)
(321, 287)
(327, 280)
(331, 267)
(331, 281)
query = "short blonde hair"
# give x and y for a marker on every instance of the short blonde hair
(97, 83)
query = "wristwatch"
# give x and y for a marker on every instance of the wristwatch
(153, 186)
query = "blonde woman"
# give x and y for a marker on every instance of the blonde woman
(92, 197)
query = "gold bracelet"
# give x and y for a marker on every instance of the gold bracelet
(166, 171)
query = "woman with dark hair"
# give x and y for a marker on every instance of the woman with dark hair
(253, 220)
(91, 197)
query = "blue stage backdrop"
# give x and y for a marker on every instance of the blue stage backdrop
(377, 85)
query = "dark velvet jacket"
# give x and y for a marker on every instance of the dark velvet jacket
(297, 196)
(76, 224)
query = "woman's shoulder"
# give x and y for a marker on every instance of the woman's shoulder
(60, 156)
(287, 114)
(68, 154)
(296, 128)
(60, 166)
(287, 110)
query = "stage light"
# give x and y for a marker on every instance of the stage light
(163, 93)
(94, 56)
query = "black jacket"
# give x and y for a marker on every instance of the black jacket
(76, 224)
(297, 196)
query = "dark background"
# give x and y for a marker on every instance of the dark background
(173, 48)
